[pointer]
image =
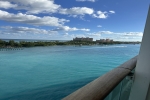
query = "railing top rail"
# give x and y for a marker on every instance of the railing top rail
(102, 86)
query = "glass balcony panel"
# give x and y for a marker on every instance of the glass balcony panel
(122, 90)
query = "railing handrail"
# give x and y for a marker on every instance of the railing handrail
(102, 86)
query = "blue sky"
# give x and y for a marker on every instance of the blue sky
(121, 20)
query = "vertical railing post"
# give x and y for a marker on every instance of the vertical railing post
(120, 90)
(141, 82)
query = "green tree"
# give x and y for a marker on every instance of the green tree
(11, 43)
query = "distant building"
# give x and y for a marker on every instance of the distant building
(105, 40)
(83, 39)
(101, 40)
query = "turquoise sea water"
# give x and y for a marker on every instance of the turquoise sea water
(50, 73)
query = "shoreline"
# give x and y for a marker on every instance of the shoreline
(11, 44)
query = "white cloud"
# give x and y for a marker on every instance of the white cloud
(67, 28)
(111, 11)
(101, 14)
(44, 6)
(94, 34)
(21, 30)
(35, 33)
(85, 0)
(31, 19)
(48, 6)
(99, 26)
(127, 36)
(77, 11)
(105, 32)
(99, 33)
(35, 6)
(122, 36)
(7, 5)
(27, 33)
(24, 30)
(140, 34)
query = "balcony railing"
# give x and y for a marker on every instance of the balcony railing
(110, 86)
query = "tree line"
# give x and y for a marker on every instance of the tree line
(12, 43)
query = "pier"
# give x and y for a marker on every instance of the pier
(8, 49)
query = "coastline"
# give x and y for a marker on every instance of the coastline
(11, 44)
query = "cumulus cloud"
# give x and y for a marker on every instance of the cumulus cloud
(67, 28)
(100, 14)
(85, 0)
(44, 6)
(31, 19)
(21, 30)
(77, 11)
(27, 33)
(34, 6)
(103, 15)
(7, 5)
(24, 30)
(48, 6)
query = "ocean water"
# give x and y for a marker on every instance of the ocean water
(51, 73)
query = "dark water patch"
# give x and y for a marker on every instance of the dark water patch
(54, 92)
